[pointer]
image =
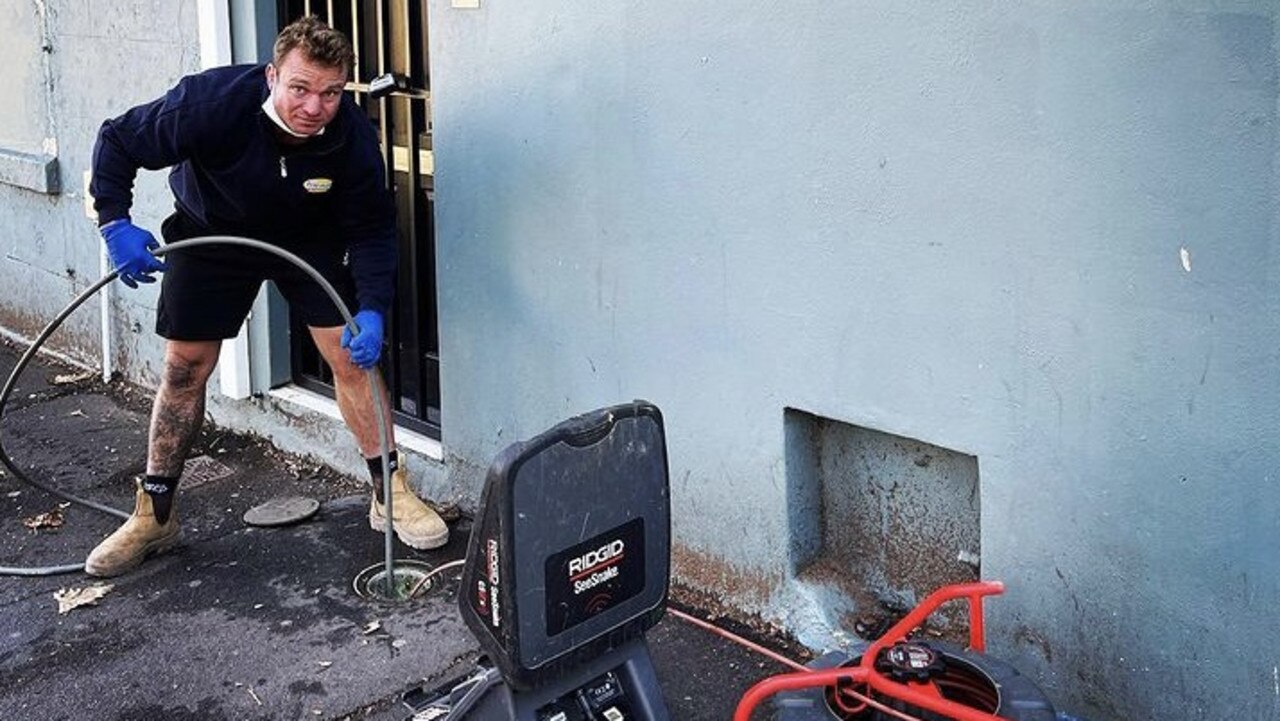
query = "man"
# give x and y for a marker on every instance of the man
(279, 154)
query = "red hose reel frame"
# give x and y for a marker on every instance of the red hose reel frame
(865, 673)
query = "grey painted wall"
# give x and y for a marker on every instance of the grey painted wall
(24, 128)
(1037, 234)
(98, 64)
(964, 224)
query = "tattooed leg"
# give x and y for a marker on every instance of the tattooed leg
(178, 411)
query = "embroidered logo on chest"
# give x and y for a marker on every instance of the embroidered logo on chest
(317, 185)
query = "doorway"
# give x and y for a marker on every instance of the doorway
(390, 36)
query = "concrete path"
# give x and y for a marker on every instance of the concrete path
(240, 622)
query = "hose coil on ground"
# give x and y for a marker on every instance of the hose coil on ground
(374, 386)
(973, 679)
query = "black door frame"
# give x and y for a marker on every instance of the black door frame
(390, 36)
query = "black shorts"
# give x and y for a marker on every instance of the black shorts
(208, 290)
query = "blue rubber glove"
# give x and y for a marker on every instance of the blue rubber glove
(365, 346)
(129, 248)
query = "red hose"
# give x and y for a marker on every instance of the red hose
(737, 639)
(865, 673)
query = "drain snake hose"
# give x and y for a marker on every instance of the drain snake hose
(375, 386)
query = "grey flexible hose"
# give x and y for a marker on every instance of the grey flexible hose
(375, 387)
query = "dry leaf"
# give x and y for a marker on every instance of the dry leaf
(69, 598)
(448, 512)
(66, 379)
(52, 519)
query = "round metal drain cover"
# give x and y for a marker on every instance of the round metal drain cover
(282, 511)
(408, 575)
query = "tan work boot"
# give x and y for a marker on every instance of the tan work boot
(415, 523)
(139, 537)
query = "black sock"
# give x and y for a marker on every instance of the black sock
(375, 471)
(161, 489)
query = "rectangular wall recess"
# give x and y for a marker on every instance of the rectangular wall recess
(883, 518)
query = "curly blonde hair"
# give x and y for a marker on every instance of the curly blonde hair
(318, 42)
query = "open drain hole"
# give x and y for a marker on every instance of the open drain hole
(371, 583)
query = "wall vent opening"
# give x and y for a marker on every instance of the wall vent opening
(881, 518)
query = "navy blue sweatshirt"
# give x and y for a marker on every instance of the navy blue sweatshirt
(231, 176)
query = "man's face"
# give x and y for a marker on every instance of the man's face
(306, 94)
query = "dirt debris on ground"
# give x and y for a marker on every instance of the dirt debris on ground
(260, 608)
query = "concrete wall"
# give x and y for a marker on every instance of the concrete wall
(1043, 234)
(78, 63)
(1038, 234)
(24, 129)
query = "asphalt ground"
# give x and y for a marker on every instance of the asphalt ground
(239, 622)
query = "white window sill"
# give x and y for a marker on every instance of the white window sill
(405, 438)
